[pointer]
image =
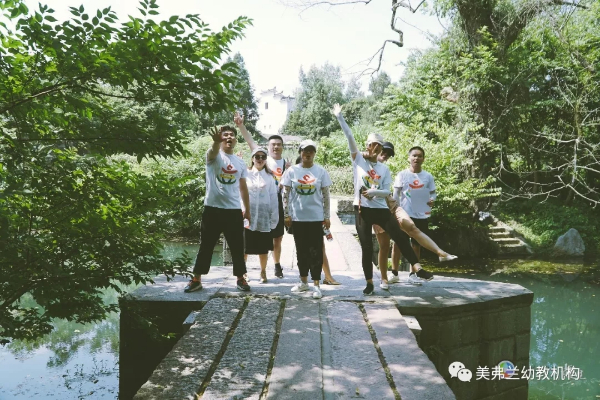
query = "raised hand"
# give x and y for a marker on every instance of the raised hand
(216, 135)
(238, 119)
(337, 109)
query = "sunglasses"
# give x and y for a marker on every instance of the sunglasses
(258, 157)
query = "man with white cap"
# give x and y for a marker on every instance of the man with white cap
(277, 164)
(372, 182)
(306, 207)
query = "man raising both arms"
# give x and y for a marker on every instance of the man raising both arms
(277, 164)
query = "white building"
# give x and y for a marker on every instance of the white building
(273, 109)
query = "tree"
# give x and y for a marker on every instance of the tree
(378, 84)
(246, 104)
(319, 89)
(73, 218)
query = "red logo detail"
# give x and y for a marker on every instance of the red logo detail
(374, 175)
(277, 172)
(229, 169)
(307, 180)
(416, 184)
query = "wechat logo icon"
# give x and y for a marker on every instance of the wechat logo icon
(458, 370)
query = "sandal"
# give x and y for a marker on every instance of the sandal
(330, 282)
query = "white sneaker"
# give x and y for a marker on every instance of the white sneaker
(300, 287)
(414, 279)
(449, 257)
(394, 279)
(384, 285)
(317, 293)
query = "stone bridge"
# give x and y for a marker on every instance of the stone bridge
(270, 344)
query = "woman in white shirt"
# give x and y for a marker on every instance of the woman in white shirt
(372, 183)
(264, 208)
(306, 208)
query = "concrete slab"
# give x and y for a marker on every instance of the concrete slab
(170, 291)
(297, 373)
(414, 375)
(356, 371)
(242, 370)
(181, 373)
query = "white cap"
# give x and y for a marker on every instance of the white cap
(257, 149)
(307, 143)
(374, 138)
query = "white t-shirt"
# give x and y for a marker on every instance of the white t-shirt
(409, 183)
(223, 176)
(264, 206)
(370, 175)
(276, 167)
(306, 196)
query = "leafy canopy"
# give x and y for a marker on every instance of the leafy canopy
(73, 218)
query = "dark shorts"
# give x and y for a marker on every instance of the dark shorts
(280, 228)
(257, 242)
(423, 225)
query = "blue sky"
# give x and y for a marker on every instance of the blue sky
(283, 39)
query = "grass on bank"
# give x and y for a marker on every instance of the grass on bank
(541, 223)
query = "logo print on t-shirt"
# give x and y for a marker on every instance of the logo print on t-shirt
(371, 180)
(277, 174)
(416, 184)
(306, 185)
(227, 176)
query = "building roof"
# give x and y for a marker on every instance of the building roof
(286, 138)
(276, 94)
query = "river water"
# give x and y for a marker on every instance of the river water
(81, 361)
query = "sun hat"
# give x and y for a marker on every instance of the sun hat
(307, 143)
(374, 138)
(259, 149)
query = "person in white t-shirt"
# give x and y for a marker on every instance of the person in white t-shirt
(225, 187)
(328, 279)
(372, 183)
(409, 227)
(262, 190)
(278, 165)
(306, 207)
(414, 192)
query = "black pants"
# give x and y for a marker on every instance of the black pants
(364, 221)
(308, 237)
(231, 223)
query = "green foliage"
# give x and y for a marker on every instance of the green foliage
(378, 84)
(246, 103)
(541, 223)
(187, 174)
(319, 89)
(72, 220)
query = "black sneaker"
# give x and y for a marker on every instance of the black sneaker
(243, 285)
(278, 271)
(192, 286)
(369, 290)
(425, 275)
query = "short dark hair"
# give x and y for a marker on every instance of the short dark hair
(227, 128)
(276, 137)
(417, 148)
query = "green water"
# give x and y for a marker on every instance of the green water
(75, 361)
(81, 361)
(565, 319)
